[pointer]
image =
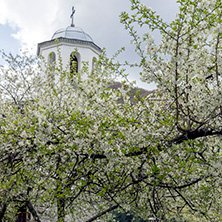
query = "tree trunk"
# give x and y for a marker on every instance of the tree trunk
(33, 211)
(61, 208)
(2, 212)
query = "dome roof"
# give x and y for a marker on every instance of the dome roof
(72, 32)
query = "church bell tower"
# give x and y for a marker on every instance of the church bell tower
(74, 44)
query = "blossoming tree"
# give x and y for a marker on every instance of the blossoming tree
(184, 127)
(72, 148)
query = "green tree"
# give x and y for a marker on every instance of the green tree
(74, 147)
(184, 122)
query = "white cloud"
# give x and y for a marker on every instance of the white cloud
(35, 21)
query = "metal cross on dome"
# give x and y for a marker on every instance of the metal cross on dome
(72, 16)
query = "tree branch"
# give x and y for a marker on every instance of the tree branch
(33, 211)
(103, 213)
(194, 134)
(182, 186)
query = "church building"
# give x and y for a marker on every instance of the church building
(75, 47)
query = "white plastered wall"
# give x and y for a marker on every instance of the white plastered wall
(85, 53)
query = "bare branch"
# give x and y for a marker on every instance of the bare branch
(103, 213)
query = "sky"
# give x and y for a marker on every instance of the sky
(25, 23)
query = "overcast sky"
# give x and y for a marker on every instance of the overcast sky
(25, 23)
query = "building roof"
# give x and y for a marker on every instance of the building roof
(60, 40)
(70, 35)
(72, 32)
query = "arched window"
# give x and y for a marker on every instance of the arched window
(94, 61)
(51, 60)
(73, 63)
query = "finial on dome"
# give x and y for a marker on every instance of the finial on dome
(72, 16)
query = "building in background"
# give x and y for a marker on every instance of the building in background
(75, 46)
